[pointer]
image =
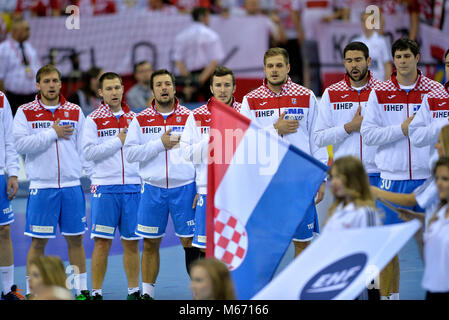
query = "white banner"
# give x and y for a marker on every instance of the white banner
(116, 42)
(339, 265)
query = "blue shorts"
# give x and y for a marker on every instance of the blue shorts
(374, 179)
(399, 186)
(155, 205)
(112, 210)
(308, 226)
(6, 213)
(199, 236)
(48, 208)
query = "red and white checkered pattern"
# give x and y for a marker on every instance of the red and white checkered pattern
(424, 84)
(344, 86)
(35, 104)
(231, 240)
(288, 89)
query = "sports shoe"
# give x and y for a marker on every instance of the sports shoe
(134, 296)
(14, 294)
(96, 297)
(146, 296)
(84, 295)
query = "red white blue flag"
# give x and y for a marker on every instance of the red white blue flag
(259, 188)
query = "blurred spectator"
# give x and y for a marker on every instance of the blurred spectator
(19, 65)
(197, 52)
(126, 6)
(100, 7)
(405, 13)
(87, 97)
(252, 8)
(46, 271)
(5, 25)
(160, 5)
(139, 95)
(39, 8)
(210, 279)
(8, 6)
(379, 50)
(186, 6)
(288, 13)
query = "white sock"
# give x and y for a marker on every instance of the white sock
(80, 282)
(97, 291)
(394, 296)
(384, 298)
(132, 290)
(7, 276)
(28, 284)
(148, 288)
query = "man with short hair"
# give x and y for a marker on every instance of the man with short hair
(195, 141)
(138, 96)
(9, 161)
(18, 67)
(115, 186)
(342, 107)
(48, 132)
(391, 107)
(169, 180)
(289, 110)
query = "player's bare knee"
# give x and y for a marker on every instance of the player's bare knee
(151, 244)
(5, 233)
(75, 241)
(186, 242)
(103, 244)
(39, 243)
(130, 245)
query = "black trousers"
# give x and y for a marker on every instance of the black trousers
(16, 100)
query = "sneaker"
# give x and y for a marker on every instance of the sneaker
(96, 297)
(146, 296)
(14, 294)
(134, 296)
(84, 295)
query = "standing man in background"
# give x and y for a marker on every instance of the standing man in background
(139, 95)
(197, 52)
(19, 65)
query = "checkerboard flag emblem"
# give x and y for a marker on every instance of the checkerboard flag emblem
(231, 240)
(254, 207)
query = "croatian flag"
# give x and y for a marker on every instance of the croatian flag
(259, 188)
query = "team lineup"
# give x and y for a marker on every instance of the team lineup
(386, 138)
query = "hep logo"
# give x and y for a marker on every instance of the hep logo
(333, 279)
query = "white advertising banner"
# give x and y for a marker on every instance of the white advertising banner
(339, 265)
(116, 42)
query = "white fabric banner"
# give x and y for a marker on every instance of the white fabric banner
(339, 265)
(115, 42)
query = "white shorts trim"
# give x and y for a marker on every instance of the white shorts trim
(40, 237)
(73, 234)
(184, 236)
(93, 235)
(131, 239)
(7, 223)
(150, 237)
